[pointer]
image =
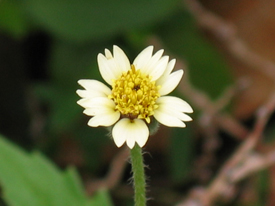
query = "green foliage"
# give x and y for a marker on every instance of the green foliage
(181, 153)
(67, 63)
(77, 31)
(31, 179)
(206, 66)
(12, 19)
(263, 185)
(83, 20)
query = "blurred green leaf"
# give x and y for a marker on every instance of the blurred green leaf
(32, 180)
(12, 19)
(208, 71)
(181, 153)
(263, 186)
(82, 20)
(101, 199)
(67, 63)
(63, 106)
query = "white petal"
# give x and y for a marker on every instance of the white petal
(130, 131)
(108, 54)
(170, 83)
(130, 141)
(149, 65)
(143, 57)
(170, 67)
(175, 102)
(106, 119)
(183, 117)
(168, 120)
(157, 70)
(121, 59)
(93, 88)
(107, 68)
(167, 72)
(93, 111)
(96, 102)
(112, 66)
(118, 139)
(96, 109)
(173, 111)
(170, 111)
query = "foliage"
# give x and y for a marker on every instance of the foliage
(74, 32)
(31, 179)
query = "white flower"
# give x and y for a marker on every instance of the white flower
(136, 96)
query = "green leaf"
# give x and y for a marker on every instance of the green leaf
(68, 63)
(12, 19)
(82, 20)
(181, 153)
(101, 199)
(32, 180)
(263, 185)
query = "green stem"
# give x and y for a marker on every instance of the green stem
(138, 176)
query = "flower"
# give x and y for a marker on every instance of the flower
(137, 94)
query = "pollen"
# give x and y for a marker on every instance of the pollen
(135, 95)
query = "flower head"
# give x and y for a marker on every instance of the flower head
(137, 94)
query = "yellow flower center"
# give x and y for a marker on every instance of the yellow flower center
(135, 95)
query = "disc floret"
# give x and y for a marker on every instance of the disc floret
(135, 94)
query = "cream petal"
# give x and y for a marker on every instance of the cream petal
(173, 111)
(143, 57)
(158, 69)
(168, 120)
(98, 109)
(121, 59)
(88, 94)
(130, 131)
(118, 139)
(170, 111)
(183, 117)
(83, 102)
(91, 84)
(96, 102)
(149, 66)
(170, 83)
(104, 119)
(175, 102)
(170, 67)
(130, 142)
(93, 88)
(107, 68)
(152, 62)
(83, 93)
(108, 54)
(112, 66)
(167, 72)
(94, 111)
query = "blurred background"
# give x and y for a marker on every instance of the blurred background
(46, 46)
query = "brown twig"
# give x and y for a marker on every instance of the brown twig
(254, 163)
(211, 119)
(202, 102)
(227, 38)
(210, 130)
(114, 175)
(213, 109)
(240, 165)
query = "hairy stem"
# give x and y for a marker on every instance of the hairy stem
(138, 176)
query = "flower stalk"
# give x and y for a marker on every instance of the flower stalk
(138, 176)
